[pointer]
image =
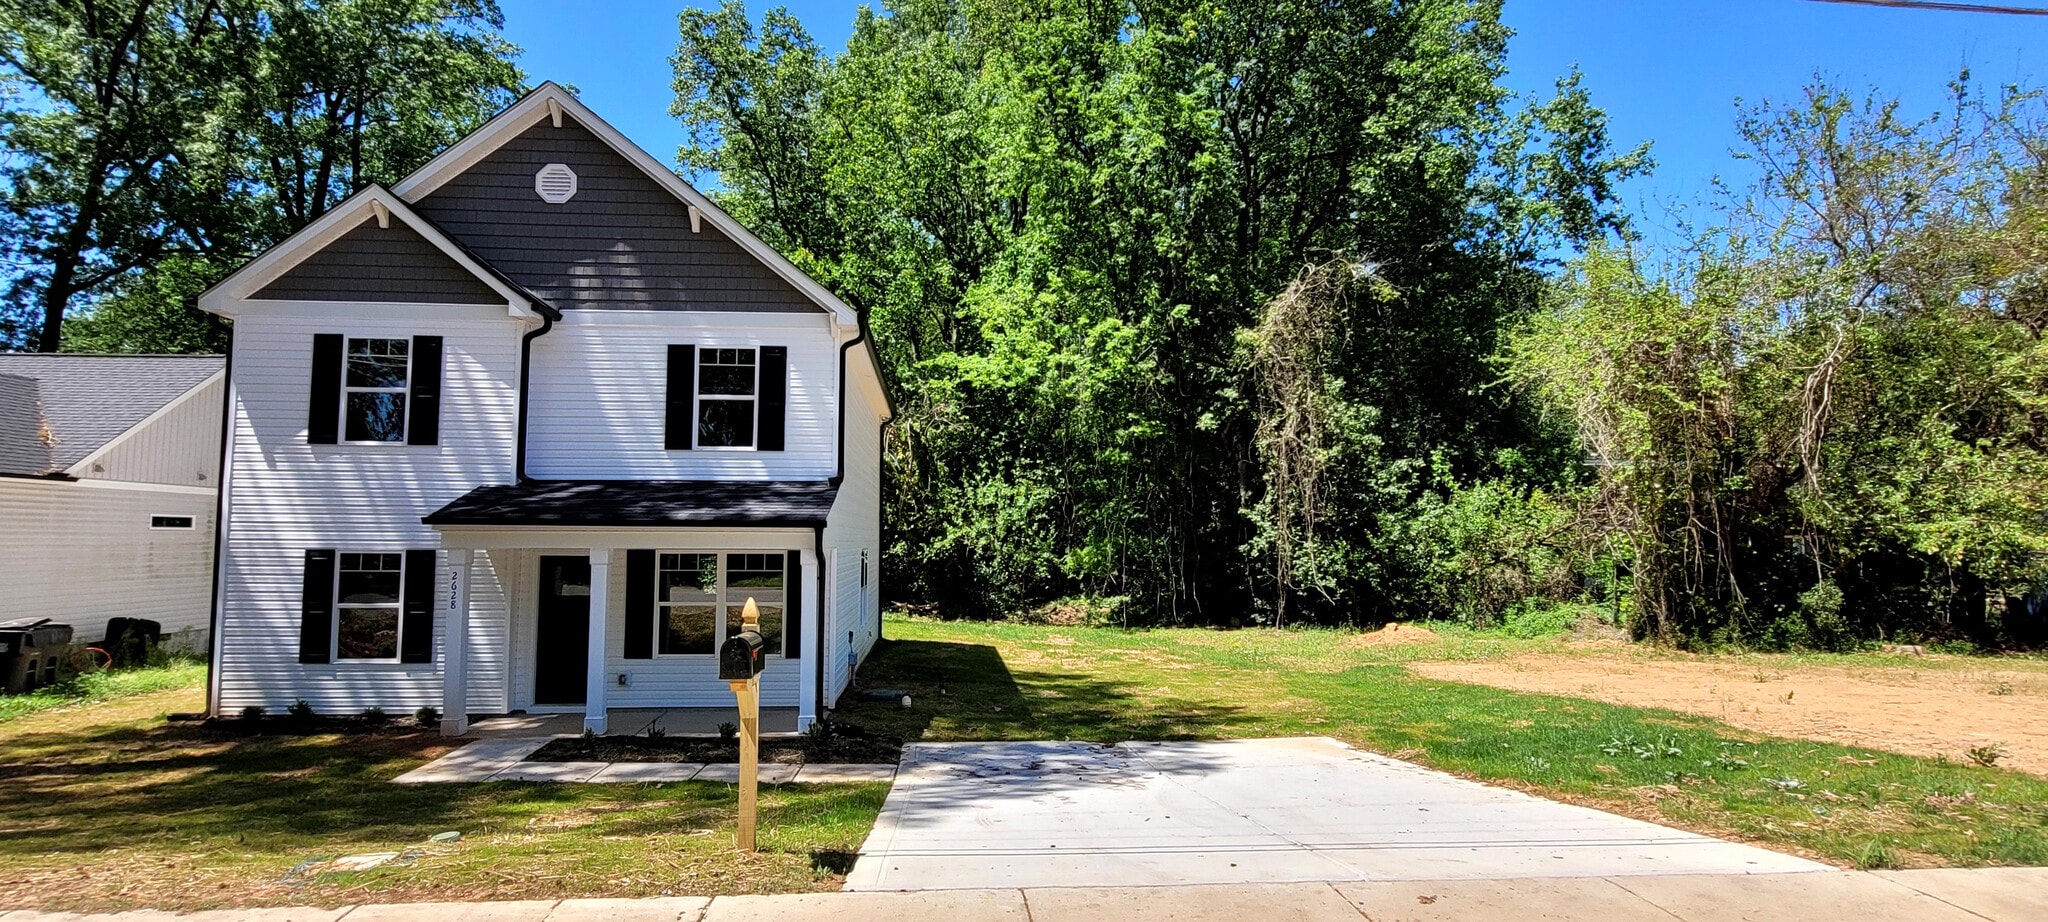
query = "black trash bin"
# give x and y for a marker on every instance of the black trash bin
(129, 640)
(31, 650)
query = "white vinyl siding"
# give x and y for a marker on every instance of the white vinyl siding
(854, 526)
(83, 552)
(181, 447)
(285, 496)
(599, 403)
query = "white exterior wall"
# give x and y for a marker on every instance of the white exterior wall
(598, 399)
(82, 552)
(285, 496)
(663, 681)
(181, 446)
(855, 525)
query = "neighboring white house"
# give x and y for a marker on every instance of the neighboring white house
(109, 466)
(525, 430)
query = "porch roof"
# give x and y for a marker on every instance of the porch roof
(643, 503)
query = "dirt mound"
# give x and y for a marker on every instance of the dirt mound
(1942, 709)
(1393, 635)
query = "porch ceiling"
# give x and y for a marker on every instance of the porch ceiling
(643, 503)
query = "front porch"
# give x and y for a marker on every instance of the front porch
(599, 606)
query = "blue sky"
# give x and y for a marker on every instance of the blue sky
(1666, 71)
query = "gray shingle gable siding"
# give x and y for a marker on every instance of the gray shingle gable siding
(622, 243)
(87, 401)
(371, 263)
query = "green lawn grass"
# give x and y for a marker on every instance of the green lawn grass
(102, 686)
(108, 806)
(1843, 804)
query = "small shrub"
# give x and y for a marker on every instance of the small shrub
(728, 731)
(589, 734)
(1986, 756)
(254, 712)
(2002, 689)
(300, 710)
(1533, 618)
(427, 717)
(821, 732)
(656, 731)
(375, 716)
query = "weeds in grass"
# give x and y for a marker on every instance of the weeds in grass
(1874, 855)
(1986, 756)
(2002, 689)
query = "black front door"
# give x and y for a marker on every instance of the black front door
(562, 641)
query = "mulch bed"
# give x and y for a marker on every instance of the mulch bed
(845, 743)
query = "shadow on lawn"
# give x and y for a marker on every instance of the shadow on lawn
(963, 691)
(64, 792)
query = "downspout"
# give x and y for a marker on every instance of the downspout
(547, 322)
(220, 528)
(838, 475)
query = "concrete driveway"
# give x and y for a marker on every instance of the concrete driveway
(989, 815)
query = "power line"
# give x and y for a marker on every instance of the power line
(1950, 7)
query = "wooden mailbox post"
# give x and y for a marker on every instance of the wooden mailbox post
(739, 663)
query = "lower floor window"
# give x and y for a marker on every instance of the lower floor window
(702, 596)
(366, 600)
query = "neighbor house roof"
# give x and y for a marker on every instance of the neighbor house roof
(612, 503)
(55, 409)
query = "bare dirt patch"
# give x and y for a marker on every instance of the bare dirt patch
(1393, 635)
(1908, 709)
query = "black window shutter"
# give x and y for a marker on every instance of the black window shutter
(682, 396)
(793, 610)
(416, 614)
(423, 415)
(323, 397)
(774, 399)
(316, 607)
(640, 604)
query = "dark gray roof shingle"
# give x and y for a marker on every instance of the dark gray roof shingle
(609, 503)
(86, 401)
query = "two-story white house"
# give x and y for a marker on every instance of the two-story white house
(524, 431)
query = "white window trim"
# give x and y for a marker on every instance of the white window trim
(719, 604)
(404, 426)
(191, 521)
(334, 656)
(697, 411)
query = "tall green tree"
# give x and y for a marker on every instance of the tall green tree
(1059, 217)
(137, 178)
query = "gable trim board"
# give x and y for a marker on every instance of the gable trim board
(248, 282)
(538, 106)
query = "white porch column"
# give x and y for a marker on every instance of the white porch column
(808, 612)
(600, 614)
(455, 646)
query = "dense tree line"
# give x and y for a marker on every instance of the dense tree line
(152, 146)
(1221, 311)
(1063, 218)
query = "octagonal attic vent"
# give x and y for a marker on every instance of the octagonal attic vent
(556, 183)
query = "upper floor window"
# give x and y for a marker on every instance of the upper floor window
(727, 383)
(374, 388)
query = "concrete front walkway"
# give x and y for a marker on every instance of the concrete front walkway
(1989, 895)
(503, 758)
(988, 815)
